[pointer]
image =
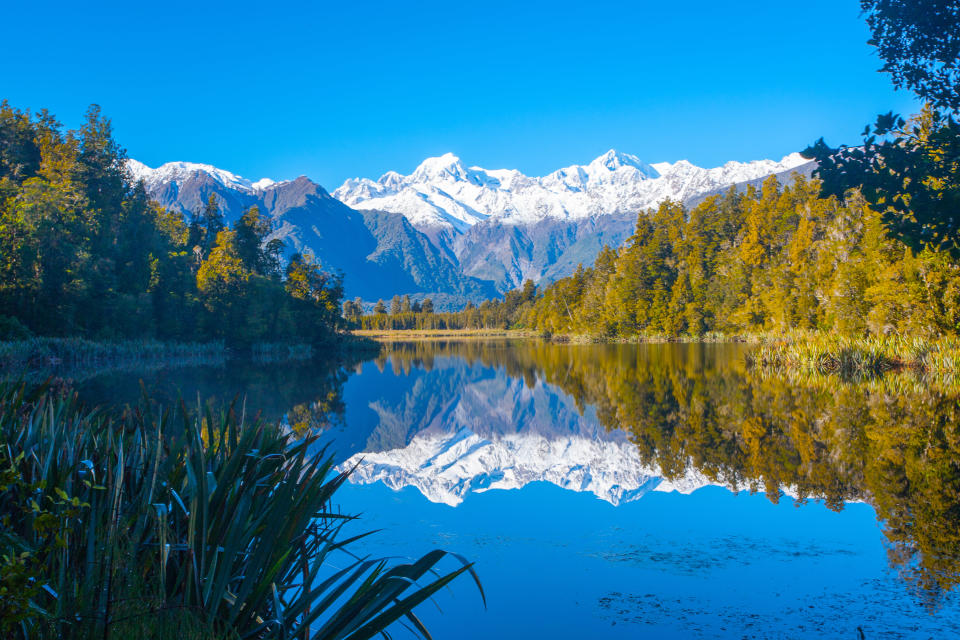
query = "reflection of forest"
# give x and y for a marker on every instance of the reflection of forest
(697, 405)
(308, 393)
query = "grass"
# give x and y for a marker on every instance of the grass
(884, 364)
(858, 356)
(212, 523)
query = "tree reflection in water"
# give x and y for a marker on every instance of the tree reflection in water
(892, 444)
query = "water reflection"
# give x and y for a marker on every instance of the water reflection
(622, 420)
(619, 422)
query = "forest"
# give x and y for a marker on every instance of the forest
(84, 253)
(404, 314)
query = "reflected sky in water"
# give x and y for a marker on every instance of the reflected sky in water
(622, 491)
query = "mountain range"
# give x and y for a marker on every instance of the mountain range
(453, 232)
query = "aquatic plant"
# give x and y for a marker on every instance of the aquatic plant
(210, 521)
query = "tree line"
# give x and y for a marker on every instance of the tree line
(85, 252)
(405, 314)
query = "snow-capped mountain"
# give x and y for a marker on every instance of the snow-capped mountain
(179, 173)
(443, 192)
(380, 254)
(457, 233)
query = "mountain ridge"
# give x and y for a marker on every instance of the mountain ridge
(453, 232)
(443, 191)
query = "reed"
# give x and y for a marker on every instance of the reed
(160, 518)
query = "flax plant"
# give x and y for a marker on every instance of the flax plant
(213, 520)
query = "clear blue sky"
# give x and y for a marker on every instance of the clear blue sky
(339, 89)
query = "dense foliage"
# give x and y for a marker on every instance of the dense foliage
(84, 252)
(909, 172)
(768, 260)
(207, 524)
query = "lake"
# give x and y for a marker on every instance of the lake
(627, 491)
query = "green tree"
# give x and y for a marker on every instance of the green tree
(251, 231)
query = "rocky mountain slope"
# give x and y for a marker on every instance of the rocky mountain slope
(442, 192)
(379, 253)
(504, 226)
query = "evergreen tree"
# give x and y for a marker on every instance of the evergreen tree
(212, 221)
(251, 232)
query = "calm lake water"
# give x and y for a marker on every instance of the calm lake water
(625, 491)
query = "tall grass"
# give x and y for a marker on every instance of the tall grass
(829, 353)
(214, 523)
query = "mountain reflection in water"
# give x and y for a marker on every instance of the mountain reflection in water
(621, 420)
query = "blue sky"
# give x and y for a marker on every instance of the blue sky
(335, 90)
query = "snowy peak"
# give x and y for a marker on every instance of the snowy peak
(444, 193)
(180, 172)
(442, 168)
(613, 160)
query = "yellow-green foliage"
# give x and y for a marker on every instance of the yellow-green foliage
(860, 357)
(770, 260)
